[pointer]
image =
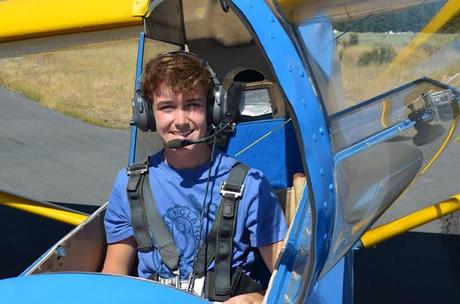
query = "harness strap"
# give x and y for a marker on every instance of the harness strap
(231, 191)
(136, 174)
(151, 231)
(219, 244)
(149, 228)
(241, 284)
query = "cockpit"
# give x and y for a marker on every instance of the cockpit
(339, 153)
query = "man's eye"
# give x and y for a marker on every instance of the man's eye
(193, 105)
(165, 108)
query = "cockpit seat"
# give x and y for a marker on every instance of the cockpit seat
(290, 197)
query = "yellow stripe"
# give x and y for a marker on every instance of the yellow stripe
(21, 19)
(13, 201)
(446, 13)
(416, 219)
(441, 148)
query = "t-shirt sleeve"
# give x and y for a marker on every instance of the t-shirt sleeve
(117, 216)
(265, 218)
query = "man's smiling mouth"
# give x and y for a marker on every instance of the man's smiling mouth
(182, 133)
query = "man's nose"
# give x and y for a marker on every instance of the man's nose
(181, 117)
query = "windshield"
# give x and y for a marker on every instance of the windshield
(388, 75)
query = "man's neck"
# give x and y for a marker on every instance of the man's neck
(190, 160)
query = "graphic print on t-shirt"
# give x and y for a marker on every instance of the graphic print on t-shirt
(184, 224)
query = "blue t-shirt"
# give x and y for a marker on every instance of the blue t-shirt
(179, 196)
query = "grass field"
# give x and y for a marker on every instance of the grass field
(438, 58)
(95, 82)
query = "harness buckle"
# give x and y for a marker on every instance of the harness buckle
(137, 169)
(228, 193)
(177, 278)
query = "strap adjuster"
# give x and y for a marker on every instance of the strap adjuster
(136, 169)
(228, 193)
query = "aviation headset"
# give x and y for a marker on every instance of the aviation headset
(216, 107)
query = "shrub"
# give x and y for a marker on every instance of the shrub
(377, 55)
(353, 39)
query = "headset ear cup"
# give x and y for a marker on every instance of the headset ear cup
(142, 113)
(218, 106)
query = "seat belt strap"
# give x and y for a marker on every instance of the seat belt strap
(161, 236)
(219, 242)
(231, 191)
(149, 228)
(206, 252)
(136, 174)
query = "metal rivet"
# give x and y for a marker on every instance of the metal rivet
(321, 131)
(272, 35)
(315, 137)
(250, 4)
(325, 237)
(321, 171)
(301, 74)
(304, 102)
(272, 19)
(290, 68)
(331, 187)
(325, 204)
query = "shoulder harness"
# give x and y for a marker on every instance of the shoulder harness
(150, 232)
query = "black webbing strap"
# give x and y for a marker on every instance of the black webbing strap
(241, 284)
(137, 173)
(147, 223)
(231, 191)
(161, 236)
(219, 244)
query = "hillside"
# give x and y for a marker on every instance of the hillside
(407, 20)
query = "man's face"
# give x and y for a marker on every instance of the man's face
(180, 116)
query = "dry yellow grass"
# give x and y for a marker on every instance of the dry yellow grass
(437, 59)
(93, 83)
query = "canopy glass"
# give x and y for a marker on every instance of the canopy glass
(389, 82)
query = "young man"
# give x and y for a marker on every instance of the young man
(178, 87)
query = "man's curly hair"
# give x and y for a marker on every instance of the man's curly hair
(178, 70)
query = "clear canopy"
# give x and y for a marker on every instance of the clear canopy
(388, 75)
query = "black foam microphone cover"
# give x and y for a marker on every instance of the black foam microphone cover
(177, 143)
